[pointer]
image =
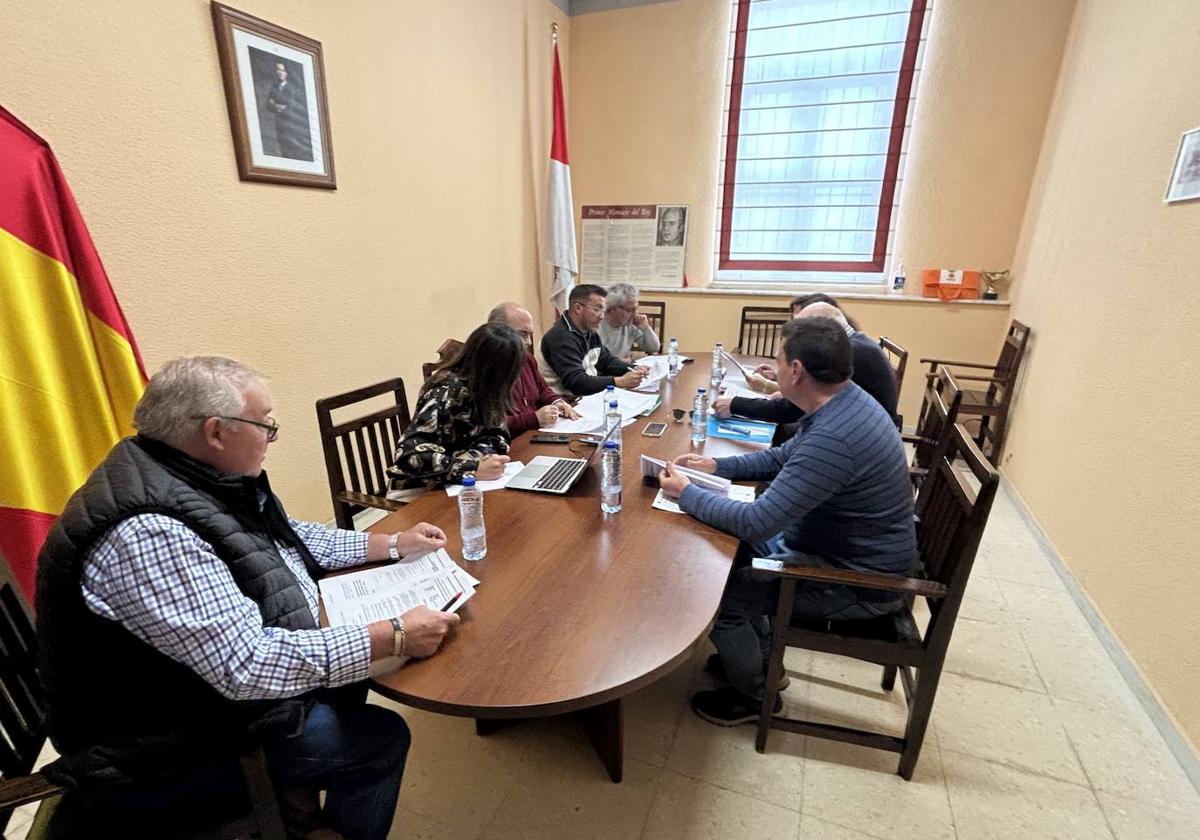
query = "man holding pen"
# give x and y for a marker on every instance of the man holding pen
(839, 496)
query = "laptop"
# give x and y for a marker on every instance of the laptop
(547, 474)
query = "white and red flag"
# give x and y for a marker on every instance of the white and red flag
(560, 238)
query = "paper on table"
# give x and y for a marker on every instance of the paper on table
(661, 358)
(651, 467)
(736, 492)
(733, 390)
(510, 469)
(386, 591)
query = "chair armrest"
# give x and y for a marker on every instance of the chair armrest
(869, 580)
(998, 380)
(951, 363)
(369, 501)
(25, 789)
(913, 439)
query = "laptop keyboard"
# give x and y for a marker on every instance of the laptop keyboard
(558, 476)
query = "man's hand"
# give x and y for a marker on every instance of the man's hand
(672, 482)
(767, 372)
(491, 467)
(548, 415)
(723, 408)
(421, 538)
(641, 321)
(424, 630)
(775, 395)
(567, 410)
(698, 463)
(631, 378)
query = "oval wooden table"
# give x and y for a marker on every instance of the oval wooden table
(575, 608)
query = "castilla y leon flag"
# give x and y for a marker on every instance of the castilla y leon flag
(70, 372)
(560, 251)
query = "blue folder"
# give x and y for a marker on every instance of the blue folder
(751, 431)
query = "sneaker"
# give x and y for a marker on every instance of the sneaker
(715, 668)
(729, 707)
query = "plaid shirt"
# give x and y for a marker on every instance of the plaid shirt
(160, 581)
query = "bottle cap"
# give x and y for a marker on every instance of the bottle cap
(469, 480)
(699, 390)
(610, 444)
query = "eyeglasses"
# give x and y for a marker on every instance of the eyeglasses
(593, 307)
(272, 428)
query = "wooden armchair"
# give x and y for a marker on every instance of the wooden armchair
(991, 405)
(358, 452)
(656, 313)
(446, 352)
(759, 329)
(897, 356)
(935, 424)
(23, 734)
(948, 533)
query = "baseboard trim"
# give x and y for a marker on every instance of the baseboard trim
(1176, 742)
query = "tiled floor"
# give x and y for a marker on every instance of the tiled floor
(1034, 735)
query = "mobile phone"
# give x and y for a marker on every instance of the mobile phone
(550, 438)
(654, 429)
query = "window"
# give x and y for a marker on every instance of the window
(818, 102)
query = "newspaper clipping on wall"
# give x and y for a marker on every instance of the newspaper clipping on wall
(642, 244)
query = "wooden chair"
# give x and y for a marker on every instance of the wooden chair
(446, 352)
(358, 452)
(935, 424)
(23, 734)
(948, 533)
(656, 313)
(992, 405)
(897, 356)
(759, 329)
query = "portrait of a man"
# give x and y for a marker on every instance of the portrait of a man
(672, 223)
(282, 102)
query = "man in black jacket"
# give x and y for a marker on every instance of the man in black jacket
(574, 361)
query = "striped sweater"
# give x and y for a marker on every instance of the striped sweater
(839, 489)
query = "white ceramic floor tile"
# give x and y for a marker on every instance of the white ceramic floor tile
(1134, 819)
(1078, 668)
(1050, 613)
(652, 715)
(992, 651)
(984, 601)
(812, 828)
(689, 809)
(1020, 562)
(847, 692)
(994, 802)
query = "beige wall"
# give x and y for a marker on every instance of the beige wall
(440, 133)
(1104, 443)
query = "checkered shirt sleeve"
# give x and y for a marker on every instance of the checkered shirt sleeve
(160, 581)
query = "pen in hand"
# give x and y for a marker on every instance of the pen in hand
(450, 603)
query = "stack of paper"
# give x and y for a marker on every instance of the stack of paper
(510, 469)
(593, 407)
(388, 591)
(651, 467)
(736, 492)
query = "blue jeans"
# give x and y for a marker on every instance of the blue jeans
(742, 631)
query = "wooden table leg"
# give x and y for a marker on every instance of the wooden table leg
(486, 726)
(606, 728)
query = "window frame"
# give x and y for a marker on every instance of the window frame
(835, 271)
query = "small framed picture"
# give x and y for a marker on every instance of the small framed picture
(1185, 177)
(275, 91)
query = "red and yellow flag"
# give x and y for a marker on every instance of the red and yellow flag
(70, 373)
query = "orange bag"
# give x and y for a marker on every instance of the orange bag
(950, 284)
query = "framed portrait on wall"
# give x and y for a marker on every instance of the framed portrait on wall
(1185, 177)
(275, 92)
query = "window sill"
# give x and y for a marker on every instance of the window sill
(788, 295)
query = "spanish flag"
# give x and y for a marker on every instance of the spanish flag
(70, 373)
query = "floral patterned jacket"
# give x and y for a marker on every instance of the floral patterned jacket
(446, 438)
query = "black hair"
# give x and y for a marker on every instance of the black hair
(822, 346)
(582, 292)
(489, 363)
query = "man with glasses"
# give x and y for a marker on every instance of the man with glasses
(178, 622)
(573, 359)
(624, 329)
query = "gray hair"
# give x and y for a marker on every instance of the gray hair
(620, 293)
(501, 311)
(188, 388)
(826, 310)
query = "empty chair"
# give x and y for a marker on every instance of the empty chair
(991, 405)
(359, 451)
(953, 517)
(758, 330)
(935, 424)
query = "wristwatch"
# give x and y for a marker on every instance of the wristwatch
(393, 550)
(398, 641)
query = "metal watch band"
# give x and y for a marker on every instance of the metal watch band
(393, 549)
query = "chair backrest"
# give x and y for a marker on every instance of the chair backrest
(22, 706)
(897, 356)
(448, 350)
(939, 413)
(1009, 363)
(955, 503)
(759, 329)
(359, 451)
(656, 313)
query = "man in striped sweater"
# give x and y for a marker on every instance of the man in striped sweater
(839, 496)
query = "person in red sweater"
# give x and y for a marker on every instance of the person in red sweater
(534, 404)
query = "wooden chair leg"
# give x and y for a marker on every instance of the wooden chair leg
(889, 678)
(262, 795)
(919, 711)
(783, 618)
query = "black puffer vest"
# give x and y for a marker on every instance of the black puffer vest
(119, 710)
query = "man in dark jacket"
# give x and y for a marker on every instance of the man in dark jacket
(574, 359)
(177, 624)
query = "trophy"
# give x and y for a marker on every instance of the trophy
(996, 282)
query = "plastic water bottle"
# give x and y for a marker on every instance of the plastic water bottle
(470, 520)
(718, 368)
(700, 416)
(672, 359)
(610, 478)
(612, 421)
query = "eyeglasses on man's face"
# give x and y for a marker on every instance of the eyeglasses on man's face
(271, 427)
(595, 307)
